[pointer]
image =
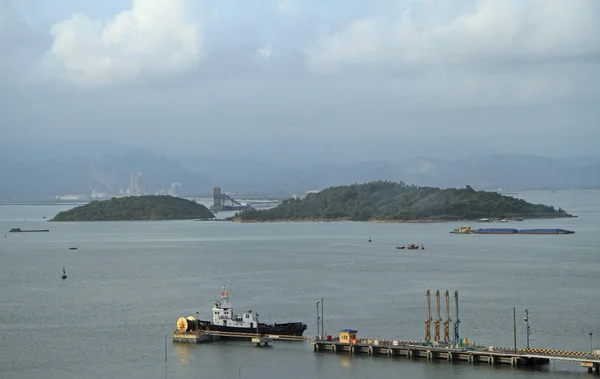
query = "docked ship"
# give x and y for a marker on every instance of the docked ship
(224, 319)
(468, 230)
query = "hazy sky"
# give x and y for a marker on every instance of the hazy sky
(294, 80)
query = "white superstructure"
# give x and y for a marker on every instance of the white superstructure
(223, 314)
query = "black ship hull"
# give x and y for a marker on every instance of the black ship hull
(287, 329)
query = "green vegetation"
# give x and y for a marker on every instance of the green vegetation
(137, 208)
(389, 201)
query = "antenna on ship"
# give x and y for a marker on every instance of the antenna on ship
(225, 296)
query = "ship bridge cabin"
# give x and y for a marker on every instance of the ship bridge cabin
(223, 315)
(348, 335)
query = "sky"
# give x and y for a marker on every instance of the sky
(292, 81)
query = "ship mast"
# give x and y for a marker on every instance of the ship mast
(225, 297)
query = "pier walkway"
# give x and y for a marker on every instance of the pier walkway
(471, 354)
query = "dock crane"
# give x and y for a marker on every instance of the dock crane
(456, 320)
(447, 322)
(436, 323)
(428, 321)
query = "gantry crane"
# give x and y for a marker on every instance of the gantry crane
(436, 324)
(447, 322)
(428, 321)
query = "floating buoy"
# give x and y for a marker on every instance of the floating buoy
(64, 274)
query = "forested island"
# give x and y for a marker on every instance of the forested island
(390, 201)
(130, 208)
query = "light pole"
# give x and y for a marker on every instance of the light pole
(591, 343)
(527, 323)
(515, 328)
(323, 320)
(318, 321)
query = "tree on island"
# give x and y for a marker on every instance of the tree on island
(390, 201)
(132, 208)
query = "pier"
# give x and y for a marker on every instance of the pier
(449, 347)
(451, 353)
(455, 348)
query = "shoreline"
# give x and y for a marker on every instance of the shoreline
(424, 221)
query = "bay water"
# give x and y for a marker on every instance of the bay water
(128, 282)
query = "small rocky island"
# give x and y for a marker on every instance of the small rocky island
(386, 201)
(132, 208)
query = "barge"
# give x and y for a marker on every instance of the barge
(468, 230)
(19, 230)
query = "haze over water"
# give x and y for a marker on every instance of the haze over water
(128, 282)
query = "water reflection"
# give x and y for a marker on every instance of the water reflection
(183, 353)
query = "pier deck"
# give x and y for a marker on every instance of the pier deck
(474, 354)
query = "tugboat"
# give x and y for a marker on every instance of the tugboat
(225, 320)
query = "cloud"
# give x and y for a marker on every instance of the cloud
(484, 53)
(422, 34)
(285, 6)
(154, 38)
(265, 52)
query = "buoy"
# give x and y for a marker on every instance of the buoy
(369, 239)
(64, 274)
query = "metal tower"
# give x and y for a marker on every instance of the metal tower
(436, 324)
(428, 321)
(447, 322)
(456, 320)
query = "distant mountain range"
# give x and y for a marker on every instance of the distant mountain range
(46, 179)
(491, 172)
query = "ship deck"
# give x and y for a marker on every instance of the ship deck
(210, 336)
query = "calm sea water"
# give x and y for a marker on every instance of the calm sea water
(130, 281)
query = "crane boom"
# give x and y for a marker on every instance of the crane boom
(436, 324)
(447, 322)
(456, 320)
(428, 321)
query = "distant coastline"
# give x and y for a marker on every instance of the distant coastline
(423, 221)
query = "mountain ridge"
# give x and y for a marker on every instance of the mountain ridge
(31, 179)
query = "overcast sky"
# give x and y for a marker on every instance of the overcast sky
(295, 80)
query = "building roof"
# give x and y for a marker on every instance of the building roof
(349, 330)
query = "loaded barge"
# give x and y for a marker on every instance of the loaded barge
(468, 230)
(19, 230)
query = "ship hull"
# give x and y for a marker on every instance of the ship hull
(287, 329)
(511, 231)
(30, 231)
(478, 232)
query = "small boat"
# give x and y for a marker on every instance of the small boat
(64, 274)
(72, 248)
(400, 247)
(412, 246)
